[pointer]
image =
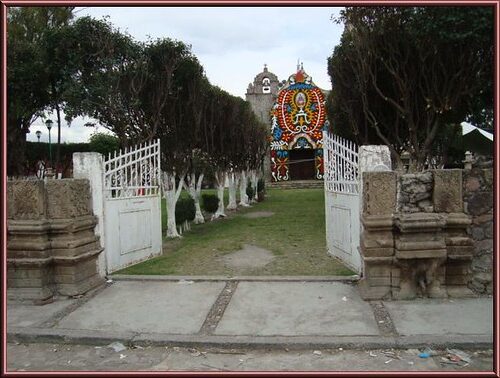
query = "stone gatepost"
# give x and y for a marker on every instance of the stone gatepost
(377, 241)
(376, 245)
(90, 166)
(29, 260)
(51, 246)
(415, 240)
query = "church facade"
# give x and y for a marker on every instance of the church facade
(295, 111)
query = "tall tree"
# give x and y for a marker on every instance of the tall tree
(109, 78)
(56, 52)
(28, 80)
(179, 122)
(198, 89)
(402, 74)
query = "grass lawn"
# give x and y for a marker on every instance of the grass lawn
(295, 234)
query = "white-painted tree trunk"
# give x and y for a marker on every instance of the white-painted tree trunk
(243, 189)
(199, 215)
(220, 178)
(171, 192)
(254, 178)
(233, 179)
(194, 189)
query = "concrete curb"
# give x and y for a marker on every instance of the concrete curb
(92, 337)
(348, 279)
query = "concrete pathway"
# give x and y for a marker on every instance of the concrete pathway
(272, 313)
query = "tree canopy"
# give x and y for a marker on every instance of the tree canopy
(30, 72)
(401, 75)
(138, 90)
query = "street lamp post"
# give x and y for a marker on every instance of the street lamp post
(49, 123)
(38, 135)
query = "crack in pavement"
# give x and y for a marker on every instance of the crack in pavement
(383, 318)
(215, 314)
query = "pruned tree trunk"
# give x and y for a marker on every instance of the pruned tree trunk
(233, 179)
(194, 189)
(220, 178)
(243, 189)
(171, 192)
(185, 226)
(254, 178)
(16, 153)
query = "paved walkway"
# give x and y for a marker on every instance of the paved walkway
(285, 312)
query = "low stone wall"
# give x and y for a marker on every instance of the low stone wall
(51, 246)
(478, 203)
(425, 233)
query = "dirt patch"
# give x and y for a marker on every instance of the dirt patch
(170, 245)
(258, 214)
(248, 257)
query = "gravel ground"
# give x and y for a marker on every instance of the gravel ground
(57, 357)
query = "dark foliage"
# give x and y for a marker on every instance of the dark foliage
(184, 210)
(209, 203)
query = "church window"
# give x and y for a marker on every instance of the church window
(266, 85)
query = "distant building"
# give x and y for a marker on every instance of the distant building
(261, 94)
(295, 111)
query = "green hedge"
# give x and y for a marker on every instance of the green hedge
(184, 210)
(210, 203)
(250, 191)
(40, 151)
(36, 151)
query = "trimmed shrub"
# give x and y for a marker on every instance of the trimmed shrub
(250, 191)
(209, 203)
(184, 210)
(104, 143)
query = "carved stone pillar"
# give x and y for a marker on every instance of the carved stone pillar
(377, 243)
(29, 260)
(51, 245)
(75, 246)
(448, 200)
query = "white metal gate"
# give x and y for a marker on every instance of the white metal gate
(132, 205)
(342, 201)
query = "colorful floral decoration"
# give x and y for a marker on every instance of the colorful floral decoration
(319, 163)
(298, 117)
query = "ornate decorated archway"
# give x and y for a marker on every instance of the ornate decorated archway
(298, 118)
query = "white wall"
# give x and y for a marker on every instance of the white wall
(90, 166)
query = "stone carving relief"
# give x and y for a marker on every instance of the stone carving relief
(26, 199)
(68, 198)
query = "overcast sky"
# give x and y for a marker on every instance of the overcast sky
(232, 44)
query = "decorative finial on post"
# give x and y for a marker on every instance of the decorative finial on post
(265, 67)
(468, 160)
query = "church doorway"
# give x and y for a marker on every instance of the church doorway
(301, 164)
